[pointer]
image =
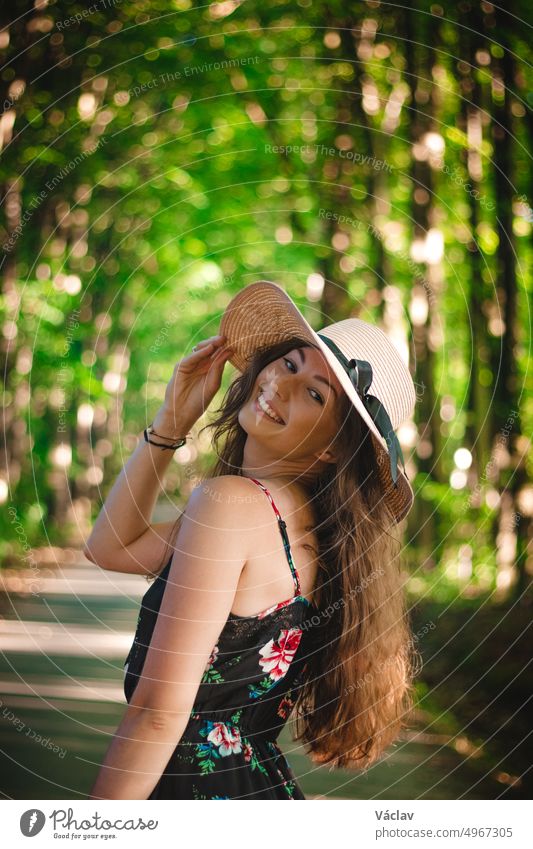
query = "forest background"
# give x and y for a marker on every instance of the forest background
(373, 159)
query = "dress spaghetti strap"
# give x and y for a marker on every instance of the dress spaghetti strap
(284, 536)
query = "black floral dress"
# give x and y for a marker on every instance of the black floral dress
(228, 749)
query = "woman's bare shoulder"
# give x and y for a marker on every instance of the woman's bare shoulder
(226, 506)
(227, 489)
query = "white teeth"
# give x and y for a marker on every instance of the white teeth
(264, 406)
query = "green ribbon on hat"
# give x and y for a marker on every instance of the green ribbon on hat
(360, 374)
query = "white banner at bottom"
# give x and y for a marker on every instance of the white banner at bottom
(346, 823)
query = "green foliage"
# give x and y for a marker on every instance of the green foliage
(148, 157)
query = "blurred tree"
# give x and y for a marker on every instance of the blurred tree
(146, 177)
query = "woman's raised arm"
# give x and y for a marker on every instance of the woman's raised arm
(123, 538)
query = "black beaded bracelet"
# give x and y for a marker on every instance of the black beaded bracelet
(171, 447)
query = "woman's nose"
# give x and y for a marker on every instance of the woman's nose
(280, 388)
(278, 383)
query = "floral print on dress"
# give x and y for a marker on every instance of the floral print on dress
(198, 795)
(277, 655)
(212, 656)
(222, 740)
(247, 691)
(276, 660)
(211, 673)
(227, 738)
(251, 758)
(285, 706)
(289, 784)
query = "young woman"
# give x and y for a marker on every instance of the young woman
(278, 589)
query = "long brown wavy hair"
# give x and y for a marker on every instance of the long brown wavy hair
(356, 692)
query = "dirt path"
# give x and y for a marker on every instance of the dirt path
(63, 646)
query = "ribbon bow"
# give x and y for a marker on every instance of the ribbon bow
(360, 374)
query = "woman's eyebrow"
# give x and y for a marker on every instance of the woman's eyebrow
(317, 376)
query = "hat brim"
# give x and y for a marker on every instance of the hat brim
(263, 314)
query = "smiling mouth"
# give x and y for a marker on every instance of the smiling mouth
(262, 406)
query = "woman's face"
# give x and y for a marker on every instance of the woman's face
(301, 391)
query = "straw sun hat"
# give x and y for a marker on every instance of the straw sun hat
(361, 356)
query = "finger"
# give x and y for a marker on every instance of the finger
(220, 359)
(208, 349)
(221, 352)
(202, 348)
(212, 340)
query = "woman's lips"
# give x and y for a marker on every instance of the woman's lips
(259, 409)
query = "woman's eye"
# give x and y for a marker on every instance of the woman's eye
(316, 395)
